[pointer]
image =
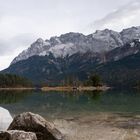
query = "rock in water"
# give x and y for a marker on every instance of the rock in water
(5, 119)
(17, 135)
(30, 122)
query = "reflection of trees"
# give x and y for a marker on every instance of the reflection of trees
(71, 95)
(9, 97)
(94, 95)
(75, 95)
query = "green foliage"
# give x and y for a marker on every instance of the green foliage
(13, 96)
(11, 81)
(94, 80)
(70, 80)
(137, 85)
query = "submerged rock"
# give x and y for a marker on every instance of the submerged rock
(17, 135)
(30, 122)
(5, 119)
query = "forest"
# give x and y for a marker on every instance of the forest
(12, 81)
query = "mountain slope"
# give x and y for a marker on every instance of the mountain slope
(106, 52)
(72, 43)
(122, 73)
(48, 69)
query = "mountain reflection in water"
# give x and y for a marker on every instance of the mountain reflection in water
(62, 104)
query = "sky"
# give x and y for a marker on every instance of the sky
(24, 21)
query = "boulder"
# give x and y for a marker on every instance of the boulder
(30, 122)
(5, 119)
(17, 135)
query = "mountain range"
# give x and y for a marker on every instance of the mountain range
(113, 55)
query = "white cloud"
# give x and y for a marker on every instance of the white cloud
(23, 21)
(121, 18)
(5, 61)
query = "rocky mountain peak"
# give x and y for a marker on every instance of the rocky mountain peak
(39, 40)
(71, 43)
(54, 41)
(131, 33)
(111, 38)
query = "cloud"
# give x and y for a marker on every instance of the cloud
(15, 44)
(5, 61)
(11, 47)
(121, 18)
(23, 21)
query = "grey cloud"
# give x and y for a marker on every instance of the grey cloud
(46, 18)
(21, 41)
(124, 17)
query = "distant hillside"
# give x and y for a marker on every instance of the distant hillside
(122, 73)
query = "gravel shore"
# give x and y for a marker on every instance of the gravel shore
(101, 127)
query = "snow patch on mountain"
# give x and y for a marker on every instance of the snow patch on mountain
(131, 33)
(112, 38)
(36, 48)
(71, 43)
(62, 50)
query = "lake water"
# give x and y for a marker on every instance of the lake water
(70, 104)
(82, 115)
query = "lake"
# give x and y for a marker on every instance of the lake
(63, 104)
(114, 112)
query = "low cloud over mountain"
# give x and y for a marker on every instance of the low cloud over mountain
(123, 17)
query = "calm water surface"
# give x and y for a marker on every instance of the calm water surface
(65, 104)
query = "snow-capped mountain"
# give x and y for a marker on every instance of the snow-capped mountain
(36, 48)
(109, 53)
(72, 43)
(129, 34)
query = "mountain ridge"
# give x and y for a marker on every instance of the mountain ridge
(72, 43)
(77, 55)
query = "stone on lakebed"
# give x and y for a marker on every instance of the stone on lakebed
(17, 135)
(30, 122)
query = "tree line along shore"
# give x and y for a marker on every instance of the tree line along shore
(14, 82)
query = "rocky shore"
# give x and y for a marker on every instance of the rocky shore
(97, 126)
(29, 126)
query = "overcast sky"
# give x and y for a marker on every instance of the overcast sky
(23, 21)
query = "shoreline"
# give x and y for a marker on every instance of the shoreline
(69, 88)
(105, 126)
(17, 89)
(59, 88)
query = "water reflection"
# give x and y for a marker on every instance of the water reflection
(59, 104)
(94, 95)
(9, 97)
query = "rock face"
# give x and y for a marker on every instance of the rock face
(30, 122)
(17, 135)
(5, 119)
(72, 43)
